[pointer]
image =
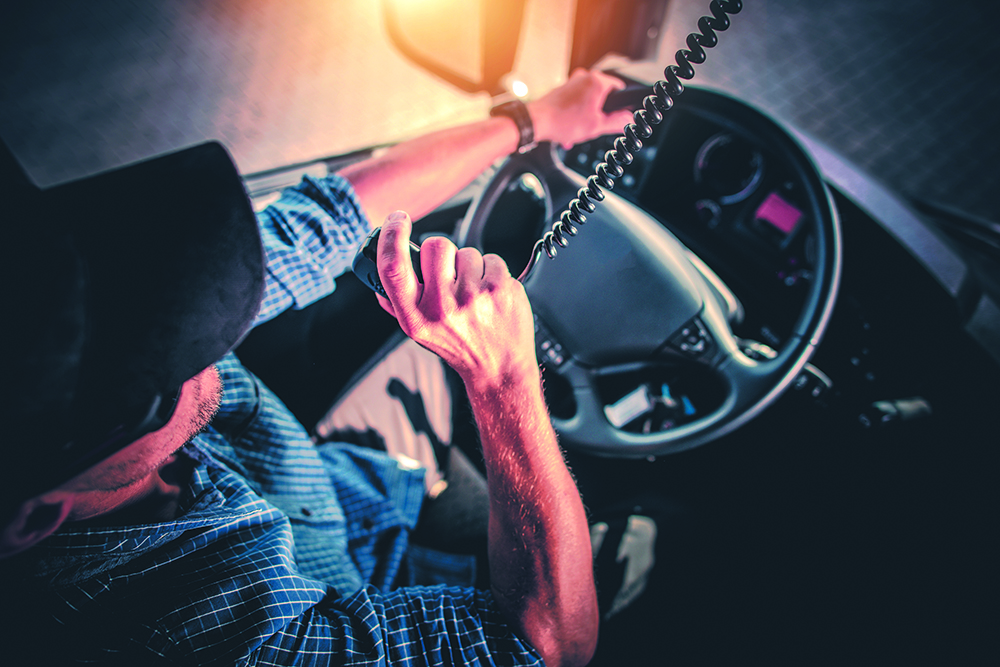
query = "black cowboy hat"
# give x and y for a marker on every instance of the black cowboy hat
(118, 288)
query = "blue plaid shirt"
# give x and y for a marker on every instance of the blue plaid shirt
(282, 552)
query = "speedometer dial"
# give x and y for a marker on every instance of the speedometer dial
(729, 166)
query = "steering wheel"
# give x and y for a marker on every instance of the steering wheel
(627, 295)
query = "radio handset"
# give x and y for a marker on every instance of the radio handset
(365, 265)
(625, 148)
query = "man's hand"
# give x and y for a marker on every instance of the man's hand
(573, 112)
(469, 310)
(472, 313)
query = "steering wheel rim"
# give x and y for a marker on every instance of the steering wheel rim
(678, 295)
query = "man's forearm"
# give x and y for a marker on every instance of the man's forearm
(420, 174)
(539, 546)
(472, 313)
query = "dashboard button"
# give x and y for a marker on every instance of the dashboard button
(548, 350)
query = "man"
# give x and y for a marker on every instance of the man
(159, 504)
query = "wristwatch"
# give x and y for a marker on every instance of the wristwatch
(516, 111)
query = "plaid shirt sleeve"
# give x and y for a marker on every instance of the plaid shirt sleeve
(310, 235)
(409, 626)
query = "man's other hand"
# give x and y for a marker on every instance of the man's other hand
(469, 310)
(573, 112)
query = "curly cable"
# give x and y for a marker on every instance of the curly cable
(630, 142)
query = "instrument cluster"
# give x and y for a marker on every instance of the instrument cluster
(724, 194)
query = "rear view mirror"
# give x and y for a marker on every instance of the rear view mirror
(468, 43)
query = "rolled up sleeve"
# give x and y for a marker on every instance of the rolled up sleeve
(310, 236)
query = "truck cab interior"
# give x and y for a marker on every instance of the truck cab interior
(780, 329)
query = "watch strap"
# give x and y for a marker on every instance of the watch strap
(518, 112)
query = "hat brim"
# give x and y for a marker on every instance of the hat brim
(174, 276)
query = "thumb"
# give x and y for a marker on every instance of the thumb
(395, 268)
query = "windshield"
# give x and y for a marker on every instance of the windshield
(90, 86)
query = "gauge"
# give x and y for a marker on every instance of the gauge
(729, 166)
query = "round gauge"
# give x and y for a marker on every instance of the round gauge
(729, 166)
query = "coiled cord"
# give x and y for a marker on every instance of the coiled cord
(630, 142)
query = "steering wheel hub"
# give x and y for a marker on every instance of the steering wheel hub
(643, 278)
